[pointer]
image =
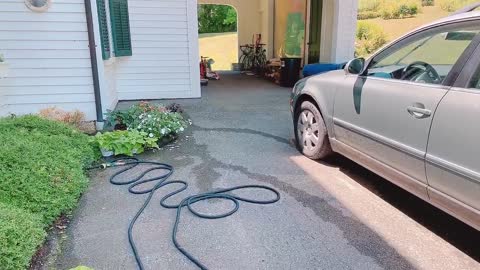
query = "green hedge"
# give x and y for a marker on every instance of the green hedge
(388, 9)
(41, 168)
(21, 233)
(454, 5)
(369, 38)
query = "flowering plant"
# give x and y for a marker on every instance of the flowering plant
(159, 124)
(155, 121)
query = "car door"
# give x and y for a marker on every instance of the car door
(386, 115)
(452, 161)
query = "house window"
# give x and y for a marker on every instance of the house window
(104, 33)
(119, 18)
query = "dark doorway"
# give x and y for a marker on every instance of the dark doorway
(315, 31)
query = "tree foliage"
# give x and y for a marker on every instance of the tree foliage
(216, 19)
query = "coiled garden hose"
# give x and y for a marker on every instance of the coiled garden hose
(160, 181)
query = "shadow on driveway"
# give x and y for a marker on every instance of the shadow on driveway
(452, 230)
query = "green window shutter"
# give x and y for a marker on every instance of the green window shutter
(119, 17)
(104, 35)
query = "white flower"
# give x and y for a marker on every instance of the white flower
(150, 135)
(181, 129)
(163, 131)
(139, 127)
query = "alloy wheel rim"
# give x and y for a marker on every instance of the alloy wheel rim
(310, 132)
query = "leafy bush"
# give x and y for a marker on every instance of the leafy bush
(454, 5)
(369, 38)
(41, 168)
(41, 163)
(369, 5)
(388, 9)
(428, 3)
(216, 18)
(21, 233)
(369, 9)
(128, 143)
(368, 15)
(400, 9)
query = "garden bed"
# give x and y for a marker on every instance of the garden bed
(42, 167)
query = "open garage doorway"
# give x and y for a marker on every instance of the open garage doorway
(218, 35)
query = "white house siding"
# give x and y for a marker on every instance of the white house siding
(48, 56)
(165, 61)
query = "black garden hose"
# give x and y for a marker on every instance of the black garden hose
(161, 181)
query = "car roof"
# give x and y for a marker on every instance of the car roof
(454, 18)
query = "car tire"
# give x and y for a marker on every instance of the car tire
(311, 134)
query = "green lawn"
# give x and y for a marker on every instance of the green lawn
(398, 27)
(221, 47)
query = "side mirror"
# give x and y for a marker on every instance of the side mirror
(355, 66)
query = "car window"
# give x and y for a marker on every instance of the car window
(426, 57)
(475, 83)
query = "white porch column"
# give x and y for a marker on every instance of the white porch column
(339, 24)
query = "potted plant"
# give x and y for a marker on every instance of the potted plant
(3, 67)
(105, 142)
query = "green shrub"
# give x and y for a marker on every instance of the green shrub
(369, 9)
(428, 3)
(21, 233)
(41, 164)
(123, 142)
(369, 5)
(454, 5)
(400, 9)
(369, 38)
(41, 168)
(365, 15)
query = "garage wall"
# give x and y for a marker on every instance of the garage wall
(165, 61)
(48, 57)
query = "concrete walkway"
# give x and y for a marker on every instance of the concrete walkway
(332, 215)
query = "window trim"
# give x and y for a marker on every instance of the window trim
(457, 67)
(467, 74)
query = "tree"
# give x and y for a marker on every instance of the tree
(216, 19)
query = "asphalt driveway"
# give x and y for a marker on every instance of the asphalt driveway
(332, 215)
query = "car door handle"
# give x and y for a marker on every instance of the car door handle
(418, 111)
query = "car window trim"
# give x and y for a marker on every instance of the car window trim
(430, 85)
(467, 73)
(463, 62)
(454, 72)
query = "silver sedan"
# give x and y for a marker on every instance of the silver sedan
(410, 113)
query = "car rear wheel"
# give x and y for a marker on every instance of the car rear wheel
(310, 132)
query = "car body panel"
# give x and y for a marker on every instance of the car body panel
(374, 121)
(452, 159)
(324, 97)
